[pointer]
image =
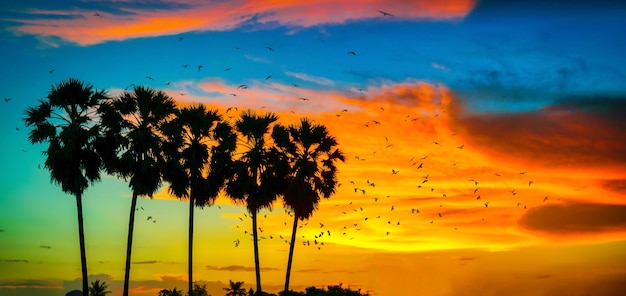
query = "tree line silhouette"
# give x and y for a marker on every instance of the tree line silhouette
(142, 137)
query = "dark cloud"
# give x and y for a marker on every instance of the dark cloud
(310, 270)
(15, 260)
(146, 262)
(616, 185)
(29, 283)
(238, 268)
(572, 132)
(575, 218)
(467, 259)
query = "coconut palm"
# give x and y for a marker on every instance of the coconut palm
(236, 289)
(171, 292)
(312, 153)
(199, 152)
(137, 118)
(199, 290)
(67, 121)
(98, 289)
(257, 173)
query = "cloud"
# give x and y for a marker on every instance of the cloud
(15, 260)
(310, 78)
(616, 185)
(29, 283)
(146, 262)
(238, 268)
(575, 218)
(124, 20)
(570, 133)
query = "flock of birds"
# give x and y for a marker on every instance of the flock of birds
(357, 211)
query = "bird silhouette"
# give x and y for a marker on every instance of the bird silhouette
(385, 13)
(6, 100)
(200, 67)
(351, 52)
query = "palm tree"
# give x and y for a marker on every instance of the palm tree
(137, 119)
(236, 289)
(98, 289)
(171, 292)
(312, 153)
(67, 121)
(257, 178)
(199, 152)
(198, 291)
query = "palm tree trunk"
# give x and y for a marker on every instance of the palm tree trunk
(190, 271)
(291, 247)
(81, 238)
(129, 243)
(257, 268)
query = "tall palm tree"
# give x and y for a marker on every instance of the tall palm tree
(236, 289)
(137, 117)
(258, 174)
(98, 289)
(67, 121)
(199, 153)
(312, 153)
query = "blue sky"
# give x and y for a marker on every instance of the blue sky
(530, 86)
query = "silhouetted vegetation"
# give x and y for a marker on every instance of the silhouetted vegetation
(66, 121)
(142, 137)
(98, 289)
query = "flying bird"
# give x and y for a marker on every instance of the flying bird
(149, 77)
(351, 52)
(269, 48)
(243, 86)
(200, 67)
(268, 77)
(385, 13)
(180, 38)
(6, 100)
(51, 71)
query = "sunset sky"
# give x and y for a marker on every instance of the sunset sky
(485, 143)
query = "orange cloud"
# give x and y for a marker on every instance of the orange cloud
(577, 135)
(575, 219)
(416, 177)
(81, 26)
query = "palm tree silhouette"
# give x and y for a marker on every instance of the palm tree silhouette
(137, 118)
(199, 152)
(171, 292)
(257, 178)
(198, 290)
(67, 121)
(236, 289)
(98, 289)
(312, 153)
